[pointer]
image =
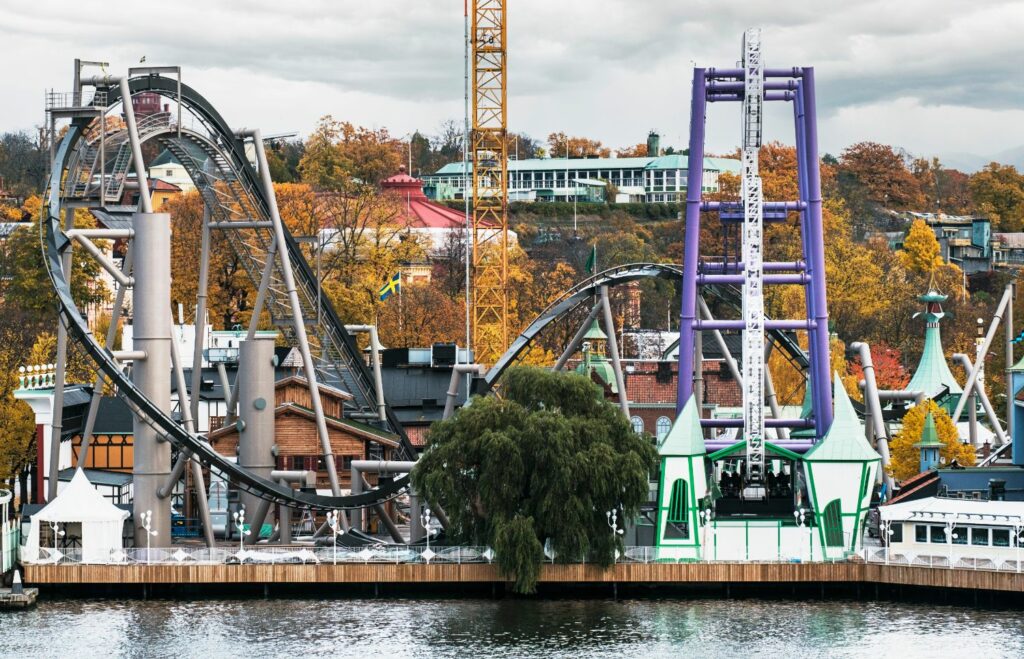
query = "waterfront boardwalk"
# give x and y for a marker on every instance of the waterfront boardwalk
(663, 574)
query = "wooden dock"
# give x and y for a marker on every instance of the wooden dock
(655, 574)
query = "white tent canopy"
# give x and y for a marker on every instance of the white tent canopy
(80, 503)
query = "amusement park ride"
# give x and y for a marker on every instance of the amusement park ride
(803, 494)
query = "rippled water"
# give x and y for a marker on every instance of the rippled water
(508, 628)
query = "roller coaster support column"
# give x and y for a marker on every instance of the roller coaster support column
(570, 349)
(152, 315)
(300, 323)
(819, 335)
(57, 421)
(874, 406)
(613, 348)
(1012, 289)
(972, 375)
(979, 392)
(97, 387)
(256, 411)
(378, 380)
(188, 421)
(200, 335)
(691, 248)
(458, 370)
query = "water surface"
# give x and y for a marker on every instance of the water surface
(508, 628)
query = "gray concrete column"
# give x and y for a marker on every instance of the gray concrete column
(255, 384)
(152, 335)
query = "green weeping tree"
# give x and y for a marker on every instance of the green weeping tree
(545, 462)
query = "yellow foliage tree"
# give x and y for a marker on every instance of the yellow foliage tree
(920, 251)
(906, 459)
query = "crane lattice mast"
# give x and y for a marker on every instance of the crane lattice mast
(489, 182)
(753, 258)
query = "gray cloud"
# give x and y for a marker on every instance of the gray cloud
(609, 68)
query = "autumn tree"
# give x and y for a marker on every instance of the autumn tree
(542, 463)
(23, 164)
(341, 157)
(906, 459)
(561, 145)
(421, 315)
(946, 188)
(887, 363)
(230, 289)
(635, 151)
(998, 192)
(872, 175)
(921, 251)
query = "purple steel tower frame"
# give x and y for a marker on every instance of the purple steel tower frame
(795, 85)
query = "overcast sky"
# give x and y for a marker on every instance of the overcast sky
(937, 77)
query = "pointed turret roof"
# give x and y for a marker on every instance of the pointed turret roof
(844, 441)
(932, 372)
(595, 332)
(929, 434)
(686, 436)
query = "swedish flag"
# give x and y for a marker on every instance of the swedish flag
(394, 286)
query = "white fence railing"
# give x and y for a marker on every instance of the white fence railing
(325, 555)
(889, 556)
(262, 555)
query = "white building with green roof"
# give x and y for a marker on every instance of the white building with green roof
(813, 508)
(841, 471)
(660, 179)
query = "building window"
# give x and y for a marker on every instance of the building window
(832, 519)
(960, 536)
(677, 525)
(979, 537)
(664, 425)
(938, 534)
(1000, 537)
(920, 533)
(638, 424)
(896, 534)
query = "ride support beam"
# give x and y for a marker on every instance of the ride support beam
(691, 245)
(577, 338)
(152, 325)
(613, 349)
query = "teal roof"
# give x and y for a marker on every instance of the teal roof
(844, 441)
(686, 436)
(674, 161)
(932, 372)
(595, 332)
(929, 434)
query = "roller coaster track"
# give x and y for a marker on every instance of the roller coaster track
(229, 185)
(579, 295)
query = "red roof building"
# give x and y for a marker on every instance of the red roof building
(421, 212)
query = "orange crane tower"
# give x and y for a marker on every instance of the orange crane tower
(490, 181)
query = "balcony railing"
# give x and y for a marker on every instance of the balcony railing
(949, 561)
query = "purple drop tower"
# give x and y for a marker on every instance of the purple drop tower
(794, 86)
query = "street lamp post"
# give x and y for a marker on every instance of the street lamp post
(57, 533)
(239, 517)
(426, 528)
(800, 516)
(887, 532)
(706, 516)
(147, 523)
(950, 527)
(334, 523)
(613, 523)
(1018, 530)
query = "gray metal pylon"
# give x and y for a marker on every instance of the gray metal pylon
(297, 319)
